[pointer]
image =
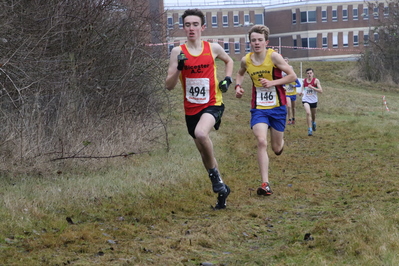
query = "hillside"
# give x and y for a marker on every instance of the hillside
(340, 186)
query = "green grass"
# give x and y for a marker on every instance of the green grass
(340, 186)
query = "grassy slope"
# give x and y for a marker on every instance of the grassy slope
(339, 185)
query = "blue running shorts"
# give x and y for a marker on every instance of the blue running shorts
(292, 97)
(275, 118)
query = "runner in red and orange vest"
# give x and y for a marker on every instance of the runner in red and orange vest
(194, 64)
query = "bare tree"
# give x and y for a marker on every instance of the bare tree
(78, 79)
(380, 61)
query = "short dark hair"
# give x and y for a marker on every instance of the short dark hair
(194, 12)
(309, 69)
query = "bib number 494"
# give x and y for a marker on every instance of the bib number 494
(197, 91)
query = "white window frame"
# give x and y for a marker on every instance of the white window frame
(247, 19)
(170, 22)
(345, 14)
(345, 40)
(334, 15)
(355, 40)
(236, 20)
(225, 21)
(355, 14)
(365, 13)
(324, 16)
(237, 48)
(325, 42)
(214, 21)
(335, 40)
(226, 47)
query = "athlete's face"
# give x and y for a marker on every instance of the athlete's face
(309, 74)
(192, 27)
(258, 42)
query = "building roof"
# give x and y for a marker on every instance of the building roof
(206, 4)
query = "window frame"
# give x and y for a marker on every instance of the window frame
(225, 21)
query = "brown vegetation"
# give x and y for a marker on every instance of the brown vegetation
(77, 79)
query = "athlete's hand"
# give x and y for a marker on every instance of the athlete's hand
(239, 91)
(181, 58)
(265, 82)
(224, 84)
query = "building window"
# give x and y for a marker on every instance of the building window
(171, 46)
(225, 20)
(344, 14)
(295, 44)
(226, 47)
(293, 18)
(335, 41)
(237, 47)
(259, 19)
(376, 37)
(386, 11)
(246, 19)
(365, 13)
(236, 20)
(304, 42)
(324, 15)
(170, 22)
(180, 22)
(345, 40)
(334, 15)
(308, 16)
(355, 40)
(247, 47)
(325, 42)
(304, 17)
(311, 16)
(366, 39)
(375, 13)
(214, 21)
(312, 42)
(355, 14)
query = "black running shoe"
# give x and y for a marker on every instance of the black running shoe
(217, 183)
(264, 190)
(221, 204)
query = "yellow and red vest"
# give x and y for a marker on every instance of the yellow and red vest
(268, 71)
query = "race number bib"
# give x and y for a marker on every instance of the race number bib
(289, 88)
(309, 91)
(197, 90)
(266, 96)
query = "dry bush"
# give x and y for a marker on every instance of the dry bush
(380, 61)
(78, 79)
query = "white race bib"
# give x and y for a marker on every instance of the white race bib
(309, 91)
(289, 88)
(197, 90)
(266, 96)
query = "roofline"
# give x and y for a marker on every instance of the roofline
(265, 3)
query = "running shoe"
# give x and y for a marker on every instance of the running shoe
(221, 203)
(310, 132)
(314, 126)
(289, 122)
(264, 190)
(217, 182)
(293, 121)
